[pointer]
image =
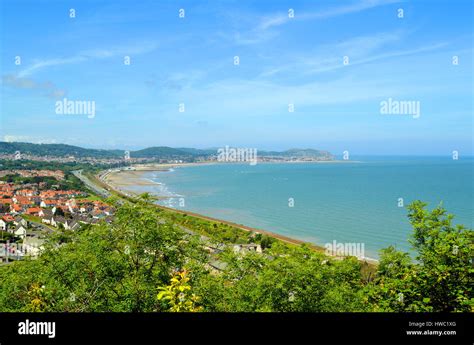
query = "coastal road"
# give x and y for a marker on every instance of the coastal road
(97, 189)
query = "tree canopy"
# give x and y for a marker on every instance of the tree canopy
(148, 261)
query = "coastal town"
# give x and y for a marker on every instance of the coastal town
(29, 212)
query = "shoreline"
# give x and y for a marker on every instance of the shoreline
(119, 180)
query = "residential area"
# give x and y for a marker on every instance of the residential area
(29, 212)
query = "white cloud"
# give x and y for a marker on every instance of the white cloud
(47, 88)
(28, 139)
(47, 63)
(275, 20)
(356, 7)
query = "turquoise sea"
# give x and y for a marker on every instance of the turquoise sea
(347, 202)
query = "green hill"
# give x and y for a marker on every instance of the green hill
(57, 150)
(158, 152)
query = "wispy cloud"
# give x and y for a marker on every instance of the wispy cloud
(86, 55)
(24, 80)
(47, 88)
(28, 139)
(329, 56)
(38, 65)
(380, 57)
(360, 50)
(354, 8)
(262, 31)
(274, 20)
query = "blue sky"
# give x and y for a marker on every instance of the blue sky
(283, 60)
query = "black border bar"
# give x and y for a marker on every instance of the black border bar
(240, 328)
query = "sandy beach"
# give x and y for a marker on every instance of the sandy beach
(123, 179)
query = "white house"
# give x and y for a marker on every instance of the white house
(19, 231)
(48, 220)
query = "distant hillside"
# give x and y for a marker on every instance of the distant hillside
(163, 152)
(58, 150)
(199, 152)
(159, 152)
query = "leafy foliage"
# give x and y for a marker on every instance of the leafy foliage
(151, 259)
(441, 277)
(178, 294)
(288, 279)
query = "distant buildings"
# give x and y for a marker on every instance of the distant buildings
(57, 174)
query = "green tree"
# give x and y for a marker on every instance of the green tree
(108, 267)
(440, 279)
